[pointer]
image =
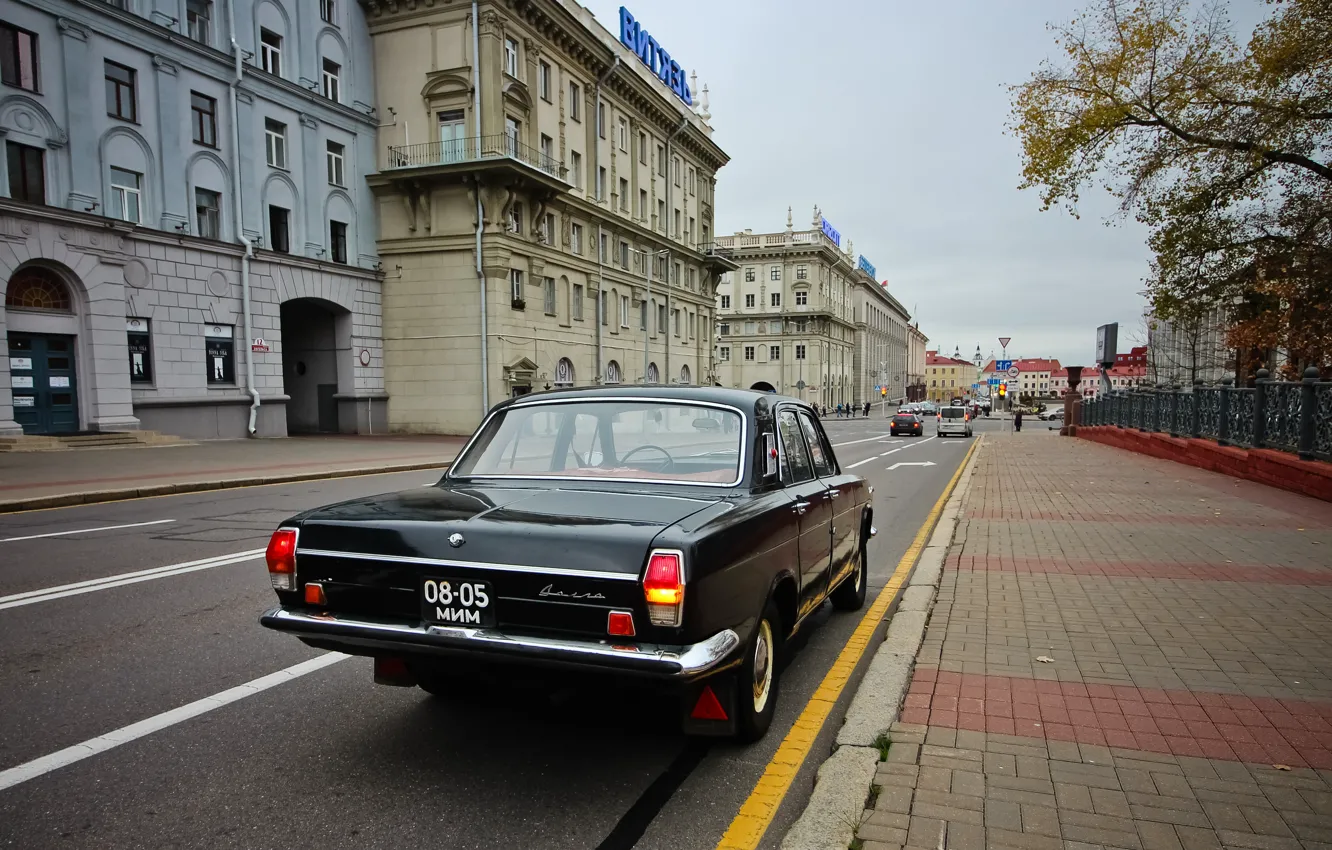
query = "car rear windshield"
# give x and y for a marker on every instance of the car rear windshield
(609, 439)
(952, 413)
(905, 418)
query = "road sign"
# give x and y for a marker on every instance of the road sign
(1014, 372)
(259, 345)
(1003, 365)
(994, 382)
(1004, 341)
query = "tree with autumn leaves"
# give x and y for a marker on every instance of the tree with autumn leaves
(1222, 149)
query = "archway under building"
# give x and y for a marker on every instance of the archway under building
(763, 387)
(316, 363)
(42, 328)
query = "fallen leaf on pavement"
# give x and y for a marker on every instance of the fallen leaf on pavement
(1045, 659)
(1281, 766)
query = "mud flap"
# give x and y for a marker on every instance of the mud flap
(708, 707)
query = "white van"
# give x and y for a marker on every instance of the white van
(953, 419)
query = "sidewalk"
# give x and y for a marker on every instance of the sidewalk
(52, 479)
(1188, 702)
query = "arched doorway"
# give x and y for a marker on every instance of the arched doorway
(764, 387)
(653, 376)
(612, 372)
(316, 361)
(564, 373)
(42, 332)
(685, 376)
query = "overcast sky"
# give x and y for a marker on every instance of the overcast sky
(890, 116)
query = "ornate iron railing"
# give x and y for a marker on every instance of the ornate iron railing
(473, 149)
(1288, 416)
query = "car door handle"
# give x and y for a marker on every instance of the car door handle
(801, 507)
(833, 494)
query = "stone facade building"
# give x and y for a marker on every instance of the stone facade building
(141, 157)
(916, 345)
(881, 341)
(532, 175)
(786, 316)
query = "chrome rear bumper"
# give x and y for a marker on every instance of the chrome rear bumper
(365, 636)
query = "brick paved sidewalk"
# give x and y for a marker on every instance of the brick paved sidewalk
(1189, 700)
(40, 474)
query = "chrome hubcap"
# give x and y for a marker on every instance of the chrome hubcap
(763, 663)
(860, 574)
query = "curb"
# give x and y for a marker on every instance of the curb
(835, 809)
(65, 500)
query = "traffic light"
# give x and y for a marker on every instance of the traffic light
(1003, 390)
(883, 392)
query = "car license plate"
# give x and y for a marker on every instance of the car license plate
(455, 602)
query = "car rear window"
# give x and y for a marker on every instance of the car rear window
(952, 413)
(608, 439)
(905, 418)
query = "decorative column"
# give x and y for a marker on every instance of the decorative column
(173, 182)
(314, 182)
(243, 163)
(82, 85)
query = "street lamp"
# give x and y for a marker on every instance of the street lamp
(648, 260)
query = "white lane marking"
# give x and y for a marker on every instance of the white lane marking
(866, 440)
(85, 530)
(860, 463)
(93, 746)
(913, 463)
(60, 591)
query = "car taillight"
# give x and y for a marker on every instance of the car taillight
(281, 557)
(664, 587)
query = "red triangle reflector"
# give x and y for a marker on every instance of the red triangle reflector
(708, 706)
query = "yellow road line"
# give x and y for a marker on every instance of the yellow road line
(751, 822)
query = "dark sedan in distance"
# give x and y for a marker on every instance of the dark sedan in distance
(678, 535)
(906, 423)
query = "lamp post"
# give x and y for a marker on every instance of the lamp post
(648, 259)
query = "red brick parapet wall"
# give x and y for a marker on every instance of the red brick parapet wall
(1278, 469)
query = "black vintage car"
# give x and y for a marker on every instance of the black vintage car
(677, 534)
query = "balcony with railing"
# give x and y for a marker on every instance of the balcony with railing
(469, 155)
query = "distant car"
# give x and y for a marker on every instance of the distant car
(906, 423)
(1055, 415)
(953, 420)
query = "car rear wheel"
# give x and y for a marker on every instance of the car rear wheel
(850, 594)
(758, 677)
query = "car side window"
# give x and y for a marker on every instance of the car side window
(796, 466)
(818, 449)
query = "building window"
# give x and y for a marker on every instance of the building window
(516, 286)
(642, 147)
(661, 214)
(543, 80)
(624, 311)
(279, 234)
(603, 310)
(327, 9)
(575, 95)
(802, 298)
(675, 170)
(726, 302)
(138, 339)
(775, 327)
(126, 195)
(624, 255)
(547, 149)
(275, 143)
(576, 309)
(336, 157)
(548, 228)
(624, 195)
(511, 57)
(676, 232)
(601, 120)
(203, 115)
(642, 204)
(27, 173)
(220, 354)
(693, 181)
(516, 218)
(775, 273)
(337, 239)
(120, 95)
(576, 238)
(624, 135)
(802, 272)
(642, 315)
(661, 160)
(601, 183)
(774, 352)
(724, 353)
(800, 351)
(576, 168)
(199, 20)
(749, 300)
(749, 352)
(661, 319)
(749, 275)
(18, 57)
(270, 52)
(603, 247)
(775, 299)
(331, 81)
(548, 290)
(207, 214)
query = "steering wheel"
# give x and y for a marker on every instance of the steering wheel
(667, 467)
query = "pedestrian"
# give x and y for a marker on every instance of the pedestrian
(1017, 420)
(867, 409)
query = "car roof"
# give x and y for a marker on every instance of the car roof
(742, 399)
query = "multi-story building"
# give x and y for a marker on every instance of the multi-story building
(787, 315)
(916, 356)
(546, 208)
(188, 235)
(947, 378)
(1033, 376)
(881, 339)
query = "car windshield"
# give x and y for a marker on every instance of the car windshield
(952, 413)
(609, 439)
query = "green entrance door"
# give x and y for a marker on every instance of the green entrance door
(41, 369)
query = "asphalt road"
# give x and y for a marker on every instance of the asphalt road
(90, 645)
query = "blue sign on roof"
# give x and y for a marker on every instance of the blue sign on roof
(831, 232)
(866, 265)
(653, 55)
